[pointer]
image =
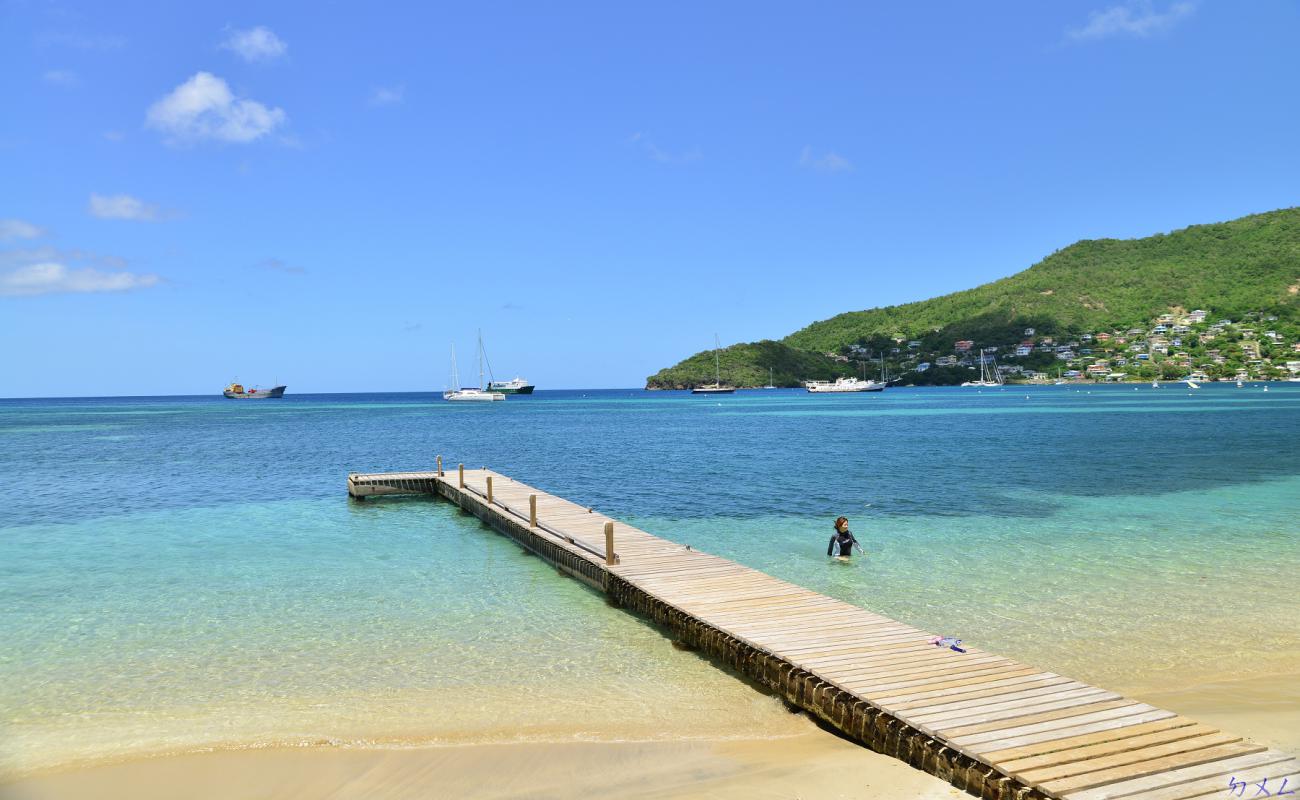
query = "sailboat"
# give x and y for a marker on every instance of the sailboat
(472, 393)
(989, 374)
(769, 385)
(516, 385)
(716, 387)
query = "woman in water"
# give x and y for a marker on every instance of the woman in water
(842, 543)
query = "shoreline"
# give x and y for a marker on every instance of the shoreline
(813, 764)
(1263, 709)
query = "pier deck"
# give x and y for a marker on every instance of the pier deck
(989, 725)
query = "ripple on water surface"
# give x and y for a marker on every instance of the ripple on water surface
(178, 572)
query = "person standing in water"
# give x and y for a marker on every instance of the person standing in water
(842, 543)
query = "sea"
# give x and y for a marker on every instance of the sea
(187, 573)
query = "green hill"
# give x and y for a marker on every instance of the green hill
(748, 365)
(1247, 264)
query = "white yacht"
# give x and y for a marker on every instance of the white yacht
(841, 385)
(471, 394)
(989, 375)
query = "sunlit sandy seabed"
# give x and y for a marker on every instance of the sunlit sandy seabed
(180, 576)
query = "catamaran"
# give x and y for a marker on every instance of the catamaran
(716, 387)
(989, 374)
(769, 379)
(472, 393)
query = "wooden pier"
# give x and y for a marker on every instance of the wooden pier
(987, 724)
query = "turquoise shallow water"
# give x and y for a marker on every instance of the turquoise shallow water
(186, 572)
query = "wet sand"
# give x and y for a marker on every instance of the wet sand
(1264, 710)
(812, 765)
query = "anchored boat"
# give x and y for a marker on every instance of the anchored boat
(990, 376)
(516, 386)
(716, 387)
(236, 391)
(843, 385)
(471, 393)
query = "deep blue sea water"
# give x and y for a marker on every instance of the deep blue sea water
(187, 571)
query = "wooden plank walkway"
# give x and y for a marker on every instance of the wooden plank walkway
(990, 725)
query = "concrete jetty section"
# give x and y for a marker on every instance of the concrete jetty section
(989, 725)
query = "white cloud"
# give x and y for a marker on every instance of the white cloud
(65, 78)
(54, 278)
(23, 257)
(387, 95)
(203, 107)
(18, 229)
(826, 162)
(255, 44)
(123, 206)
(646, 144)
(1138, 18)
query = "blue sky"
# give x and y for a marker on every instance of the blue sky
(330, 194)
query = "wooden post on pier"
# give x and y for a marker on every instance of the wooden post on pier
(879, 682)
(439, 466)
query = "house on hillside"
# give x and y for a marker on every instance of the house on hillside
(963, 346)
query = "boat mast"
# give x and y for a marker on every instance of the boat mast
(480, 359)
(717, 362)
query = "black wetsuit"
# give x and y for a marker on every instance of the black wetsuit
(844, 542)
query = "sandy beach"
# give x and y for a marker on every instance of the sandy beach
(814, 765)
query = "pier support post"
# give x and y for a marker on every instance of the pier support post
(489, 491)
(532, 511)
(439, 466)
(461, 484)
(609, 543)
